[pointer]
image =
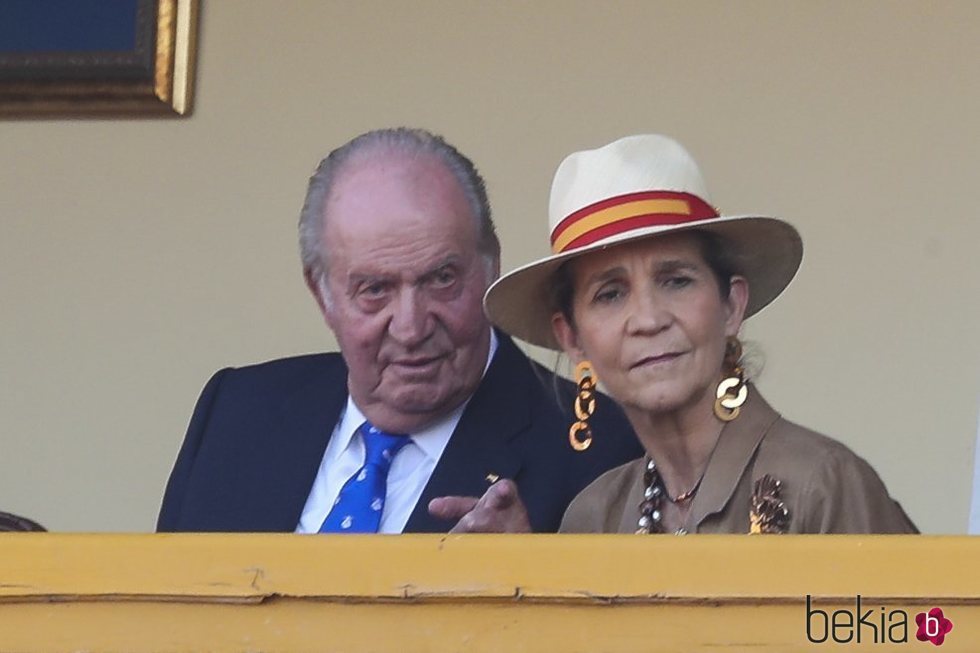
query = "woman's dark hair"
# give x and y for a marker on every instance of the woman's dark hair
(716, 252)
(713, 250)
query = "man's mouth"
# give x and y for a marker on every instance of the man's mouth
(417, 365)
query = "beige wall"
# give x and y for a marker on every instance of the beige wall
(138, 256)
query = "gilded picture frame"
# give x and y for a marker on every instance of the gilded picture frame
(60, 79)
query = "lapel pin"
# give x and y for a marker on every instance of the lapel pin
(492, 478)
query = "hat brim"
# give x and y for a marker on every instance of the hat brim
(766, 251)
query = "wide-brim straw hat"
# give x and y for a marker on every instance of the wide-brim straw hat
(637, 187)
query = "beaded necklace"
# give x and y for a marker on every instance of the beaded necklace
(651, 514)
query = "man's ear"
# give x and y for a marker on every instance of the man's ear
(565, 335)
(316, 283)
(738, 299)
(494, 268)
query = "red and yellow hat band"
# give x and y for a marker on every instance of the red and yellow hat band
(624, 213)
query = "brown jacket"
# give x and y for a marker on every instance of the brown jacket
(826, 486)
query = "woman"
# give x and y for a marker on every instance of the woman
(647, 290)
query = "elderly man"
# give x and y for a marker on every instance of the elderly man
(427, 420)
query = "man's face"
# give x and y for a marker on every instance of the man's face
(403, 288)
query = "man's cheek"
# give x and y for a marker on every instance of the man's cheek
(365, 335)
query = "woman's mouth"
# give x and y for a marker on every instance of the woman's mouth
(656, 360)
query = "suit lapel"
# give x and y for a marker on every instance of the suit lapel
(480, 445)
(307, 417)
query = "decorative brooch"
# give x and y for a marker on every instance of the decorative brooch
(768, 513)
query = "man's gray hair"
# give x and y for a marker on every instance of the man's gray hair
(402, 140)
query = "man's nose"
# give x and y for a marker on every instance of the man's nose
(410, 318)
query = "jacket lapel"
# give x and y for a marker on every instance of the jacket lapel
(307, 418)
(480, 445)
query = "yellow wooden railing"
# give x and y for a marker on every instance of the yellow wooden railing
(68, 592)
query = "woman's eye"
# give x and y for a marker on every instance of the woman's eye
(607, 295)
(678, 281)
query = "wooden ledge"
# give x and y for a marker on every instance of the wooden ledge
(476, 593)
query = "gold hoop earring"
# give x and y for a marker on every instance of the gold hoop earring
(580, 433)
(733, 390)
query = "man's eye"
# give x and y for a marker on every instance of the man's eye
(374, 289)
(443, 278)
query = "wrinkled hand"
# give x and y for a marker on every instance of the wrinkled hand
(499, 510)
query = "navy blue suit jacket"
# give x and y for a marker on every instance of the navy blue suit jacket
(258, 434)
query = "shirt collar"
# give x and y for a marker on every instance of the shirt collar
(492, 351)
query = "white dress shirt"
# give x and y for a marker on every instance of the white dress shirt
(410, 470)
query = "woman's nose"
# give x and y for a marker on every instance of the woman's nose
(647, 313)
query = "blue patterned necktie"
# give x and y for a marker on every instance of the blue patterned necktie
(361, 501)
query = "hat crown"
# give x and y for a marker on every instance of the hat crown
(635, 164)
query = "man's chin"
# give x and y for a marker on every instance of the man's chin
(426, 374)
(412, 409)
(421, 399)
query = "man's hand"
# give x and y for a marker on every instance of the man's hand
(499, 510)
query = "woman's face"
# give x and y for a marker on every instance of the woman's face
(650, 318)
